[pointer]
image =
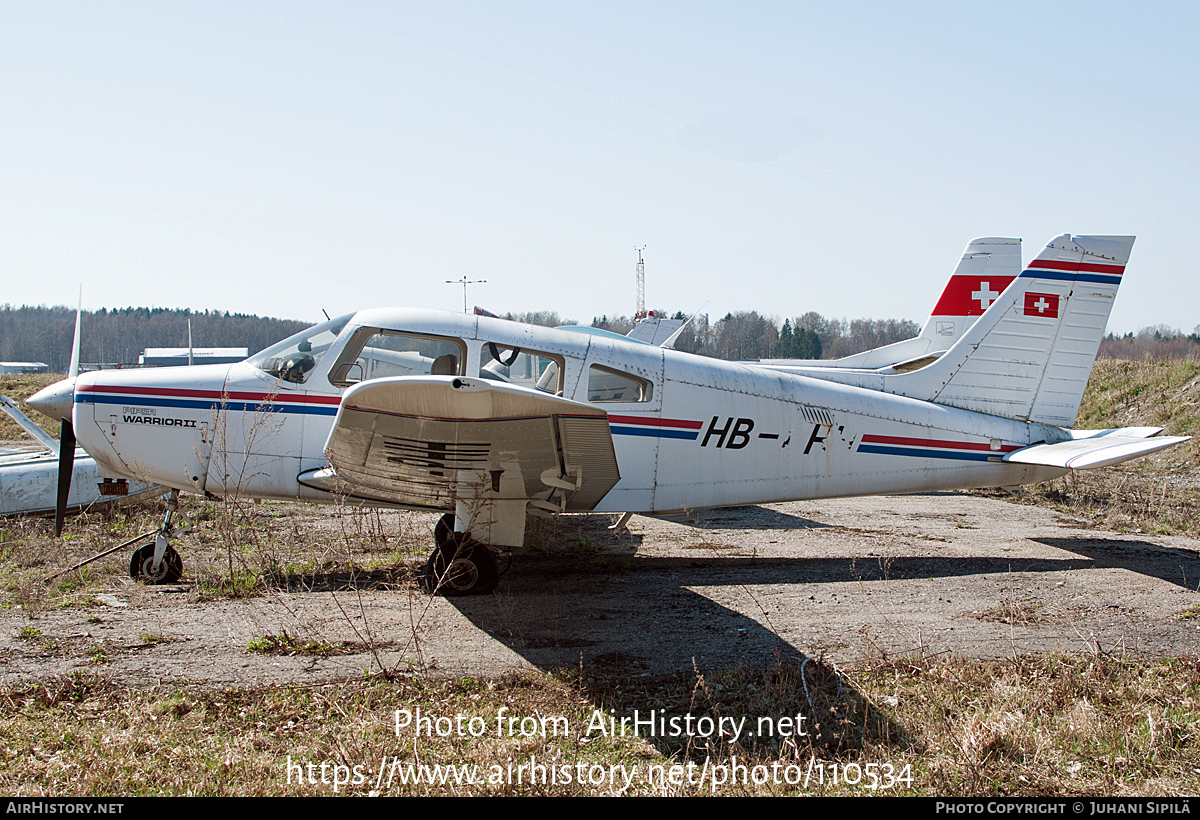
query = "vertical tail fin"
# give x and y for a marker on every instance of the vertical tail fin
(654, 330)
(987, 267)
(1096, 264)
(1030, 355)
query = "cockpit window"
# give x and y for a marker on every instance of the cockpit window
(606, 384)
(293, 359)
(377, 354)
(526, 368)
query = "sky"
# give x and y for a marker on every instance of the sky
(286, 159)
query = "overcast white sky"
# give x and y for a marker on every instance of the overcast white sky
(284, 158)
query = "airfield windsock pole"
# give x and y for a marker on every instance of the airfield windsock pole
(641, 286)
(464, 282)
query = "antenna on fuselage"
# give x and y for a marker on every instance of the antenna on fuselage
(464, 282)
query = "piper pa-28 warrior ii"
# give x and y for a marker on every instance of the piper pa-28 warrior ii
(491, 420)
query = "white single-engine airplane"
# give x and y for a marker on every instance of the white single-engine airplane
(490, 420)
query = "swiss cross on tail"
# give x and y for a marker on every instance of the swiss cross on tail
(1041, 304)
(970, 295)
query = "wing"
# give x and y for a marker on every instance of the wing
(45, 439)
(1096, 448)
(428, 441)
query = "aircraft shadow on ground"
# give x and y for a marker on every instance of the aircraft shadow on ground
(1171, 564)
(633, 636)
(557, 612)
(564, 608)
(741, 518)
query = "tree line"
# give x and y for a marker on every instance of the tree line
(118, 336)
(1154, 342)
(750, 335)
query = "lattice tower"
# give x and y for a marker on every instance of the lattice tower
(641, 285)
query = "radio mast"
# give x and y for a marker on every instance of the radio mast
(641, 286)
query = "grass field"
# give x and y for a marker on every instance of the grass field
(1052, 725)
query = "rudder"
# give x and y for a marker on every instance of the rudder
(1101, 263)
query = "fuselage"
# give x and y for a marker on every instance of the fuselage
(688, 431)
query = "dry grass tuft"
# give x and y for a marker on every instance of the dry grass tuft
(1157, 494)
(1019, 611)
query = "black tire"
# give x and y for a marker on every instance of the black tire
(169, 571)
(458, 569)
(443, 531)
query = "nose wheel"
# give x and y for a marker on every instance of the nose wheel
(141, 565)
(157, 562)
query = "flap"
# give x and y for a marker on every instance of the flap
(429, 441)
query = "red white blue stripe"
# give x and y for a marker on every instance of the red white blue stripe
(654, 427)
(1074, 271)
(306, 404)
(933, 448)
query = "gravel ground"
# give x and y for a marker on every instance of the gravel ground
(848, 579)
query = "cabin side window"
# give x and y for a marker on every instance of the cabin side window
(377, 354)
(524, 368)
(608, 385)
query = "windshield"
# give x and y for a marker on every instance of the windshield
(295, 357)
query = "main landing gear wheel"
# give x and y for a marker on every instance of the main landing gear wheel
(169, 571)
(444, 530)
(461, 566)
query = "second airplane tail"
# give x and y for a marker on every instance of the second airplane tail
(1029, 356)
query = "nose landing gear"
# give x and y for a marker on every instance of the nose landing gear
(157, 562)
(148, 564)
(141, 565)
